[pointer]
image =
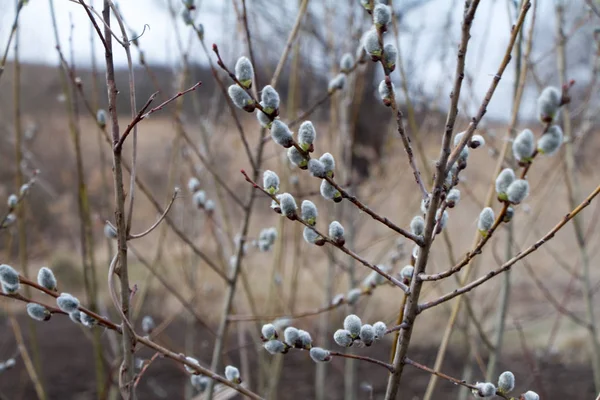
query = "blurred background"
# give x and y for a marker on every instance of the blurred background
(48, 123)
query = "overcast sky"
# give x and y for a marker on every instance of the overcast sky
(490, 34)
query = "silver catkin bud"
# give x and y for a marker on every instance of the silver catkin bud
(320, 355)
(476, 141)
(297, 158)
(263, 118)
(192, 361)
(453, 198)
(390, 55)
(306, 135)
(274, 346)
(109, 231)
(342, 338)
(310, 236)
(199, 199)
(503, 181)
(518, 191)
(371, 44)
(353, 296)
(486, 220)
(270, 182)
(442, 218)
(12, 201)
(38, 312)
(288, 205)
(530, 395)
(148, 324)
(385, 93)
(417, 225)
(308, 212)
(101, 118)
(375, 278)
(506, 382)
(305, 339)
(508, 216)
(240, 98)
(336, 232)
(281, 134)
(338, 299)
(232, 374)
(200, 382)
(346, 63)
(45, 278)
(316, 168)
(524, 145)
(337, 83)
(329, 163)
(367, 334)
(382, 15)
(548, 104)
(268, 332)
(380, 329)
(244, 72)
(407, 273)
(330, 192)
(485, 389)
(67, 302)
(75, 316)
(269, 99)
(550, 141)
(87, 320)
(8, 275)
(193, 184)
(291, 336)
(353, 324)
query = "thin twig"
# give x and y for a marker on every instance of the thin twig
(160, 219)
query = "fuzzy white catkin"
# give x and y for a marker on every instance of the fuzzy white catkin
(407, 272)
(12, 201)
(353, 324)
(109, 231)
(328, 191)
(305, 339)
(87, 320)
(8, 275)
(263, 118)
(193, 185)
(382, 15)
(442, 217)
(380, 328)
(524, 145)
(464, 154)
(199, 198)
(548, 104)
(270, 181)
(486, 220)
(346, 62)
(306, 135)
(281, 134)
(458, 137)
(453, 197)
(486, 389)
(316, 168)
(9, 289)
(371, 43)
(209, 205)
(550, 141)
(148, 324)
(367, 334)
(269, 99)
(192, 361)
(274, 346)
(320, 355)
(67, 302)
(239, 97)
(101, 118)
(375, 278)
(232, 374)
(38, 312)
(268, 331)
(417, 225)
(390, 55)
(353, 296)
(296, 157)
(336, 231)
(384, 92)
(310, 236)
(200, 382)
(337, 299)
(244, 71)
(309, 212)
(45, 278)
(291, 335)
(477, 141)
(518, 191)
(328, 162)
(503, 181)
(531, 395)
(337, 83)
(75, 316)
(506, 382)
(342, 338)
(288, 204)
